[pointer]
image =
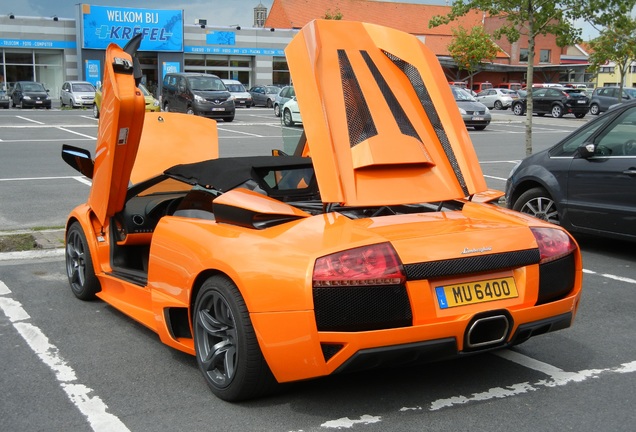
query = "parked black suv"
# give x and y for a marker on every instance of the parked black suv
(604, 97)
(556, 101)
(197, 93)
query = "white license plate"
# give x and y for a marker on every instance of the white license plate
(581, 101)
(37, 102)
(218, 109)
(478, 118)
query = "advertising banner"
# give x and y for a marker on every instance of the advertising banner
(92, 72)
(170, 67)
(162, 30)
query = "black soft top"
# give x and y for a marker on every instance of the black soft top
(226, 173)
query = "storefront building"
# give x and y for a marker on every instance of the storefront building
(53, 50)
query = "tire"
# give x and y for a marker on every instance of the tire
(557, 111)
(79, 264)
(166, 107)
(228, 119)
(226, 347)
(287, 118)
(95, 111)
(579, 115)
(190, 111)
(479, 128)
(498, 105)
(269, 103)
(540, 114)
(537, 202)
(517, 109)
(277, 110)
(61, 103)
(595, 109)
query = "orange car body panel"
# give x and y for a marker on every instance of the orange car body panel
(392, 152)
(272, 268)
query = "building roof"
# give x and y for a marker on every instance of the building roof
(407, 17)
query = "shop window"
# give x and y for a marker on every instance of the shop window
(19, 57)
(240, 63)
(216, 62)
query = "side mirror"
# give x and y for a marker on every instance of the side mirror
(586, 150)
(79, 159)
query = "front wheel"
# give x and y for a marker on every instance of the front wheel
(226, 347)
(61, 103)
(79, 265)
(166, 107)
(287, 118)
(479, 128)
(517, 109)
(228, 119)
(95, 111)
(537, 202)
(190, 111)
(557, 111)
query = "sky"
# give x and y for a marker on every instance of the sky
(216, 12)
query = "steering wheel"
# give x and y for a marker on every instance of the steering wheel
(629, 147)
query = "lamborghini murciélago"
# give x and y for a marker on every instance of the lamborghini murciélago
(375, 243)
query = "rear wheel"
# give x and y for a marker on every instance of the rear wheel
(537, 202)
(498, 105)
(557, 111)
(79, 265)
(269, 103)
(95, 111)
(277, 110)
(517, 109)
(226, 347)
(595, 109)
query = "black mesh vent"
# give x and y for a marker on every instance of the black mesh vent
(425, 99)
(349, 309)
(359, 120)
(403, 122)
(556, 279)
(473, 264)
(330, 350)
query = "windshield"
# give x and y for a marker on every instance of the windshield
(461, 94)
(83, 87)
(207, 84)
(33, 87)
(235, 88)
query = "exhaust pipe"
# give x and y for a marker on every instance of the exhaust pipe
(487, 331)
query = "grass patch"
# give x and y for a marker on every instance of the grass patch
(17, 242)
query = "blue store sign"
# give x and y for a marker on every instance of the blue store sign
(162, 30)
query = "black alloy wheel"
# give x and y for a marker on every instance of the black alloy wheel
(226, 347)
(79, 264)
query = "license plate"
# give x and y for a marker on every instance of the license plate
(478, 118)
(581, 101)
(218, 109)
(450, 296)
(37, 102)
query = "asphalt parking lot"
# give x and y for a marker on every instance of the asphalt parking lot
(72, 365)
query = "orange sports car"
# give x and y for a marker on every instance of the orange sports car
(376, 243)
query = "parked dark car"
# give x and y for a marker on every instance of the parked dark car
(197, 93)
(5, 101)
(586, 182)
(264, 95)
(604, 97)
(30, 94)
(556, 101)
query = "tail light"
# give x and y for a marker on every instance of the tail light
(377, 264)
(553, 243)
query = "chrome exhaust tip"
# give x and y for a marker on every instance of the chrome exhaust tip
(487, 331)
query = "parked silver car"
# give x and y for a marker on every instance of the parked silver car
(77, 94)
(497, 98)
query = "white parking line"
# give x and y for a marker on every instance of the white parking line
(28, 119)
(239, 132)
(76, 133)
(83, 397)
(43, 178)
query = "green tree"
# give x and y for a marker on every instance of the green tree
(531, 18)
(617, 44)
(471, 50)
